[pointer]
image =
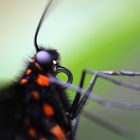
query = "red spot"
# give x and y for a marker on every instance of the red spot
(32, 132)
(42, 80)
(29, 71)
(48, 110)
(23, 81)
(58, 132)
(36, 95)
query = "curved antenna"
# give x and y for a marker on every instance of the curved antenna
(40, 23)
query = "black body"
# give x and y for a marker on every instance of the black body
(23, 110)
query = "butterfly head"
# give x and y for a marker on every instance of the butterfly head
(47, 59)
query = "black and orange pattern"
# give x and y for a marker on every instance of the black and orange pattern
(42, 106)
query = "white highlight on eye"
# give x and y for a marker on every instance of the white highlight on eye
(54, 62)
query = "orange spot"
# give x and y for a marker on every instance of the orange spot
(42, 80)
(23, 81)
(36, 95)
(29, 71)
(48, 110)
(32, 132)
(58, 132)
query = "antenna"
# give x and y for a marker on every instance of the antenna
(40, 23)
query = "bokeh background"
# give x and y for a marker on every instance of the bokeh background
(96, 34)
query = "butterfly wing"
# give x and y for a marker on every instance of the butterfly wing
(11, 109)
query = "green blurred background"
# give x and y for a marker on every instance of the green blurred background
(97, 34)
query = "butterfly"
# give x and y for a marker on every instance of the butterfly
(37, 107)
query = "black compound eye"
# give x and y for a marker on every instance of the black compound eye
(43, 57)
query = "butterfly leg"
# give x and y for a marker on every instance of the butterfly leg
(107, 75)
(80, 101)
